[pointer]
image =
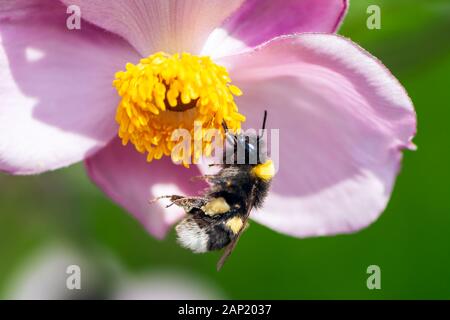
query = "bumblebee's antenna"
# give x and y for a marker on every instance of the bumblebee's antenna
(224, 126)
(232, 138)
(264, 120)
(258, 139)
(263, 125)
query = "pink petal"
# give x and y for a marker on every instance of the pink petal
(166, 285)
(258, 21)
(58, 103)
(154, 25)
(343, 120)
(127, 178)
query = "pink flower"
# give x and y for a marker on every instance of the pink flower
(343, 117)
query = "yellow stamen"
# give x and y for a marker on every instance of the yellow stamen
(167, 92)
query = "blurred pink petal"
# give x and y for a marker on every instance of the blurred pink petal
(58, 104)
(258, 21)
(343, 120)
(43, 276)
(153, 25)
(127, 178)
(166, 285)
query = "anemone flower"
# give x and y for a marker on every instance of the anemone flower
(343, 118)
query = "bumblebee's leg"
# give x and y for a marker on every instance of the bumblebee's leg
(206, 177)
(187, 203)
(171, 197)
(216, 206)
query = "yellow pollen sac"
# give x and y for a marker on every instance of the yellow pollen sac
(264, 171)
(164, 92)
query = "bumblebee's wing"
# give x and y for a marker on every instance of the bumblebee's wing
(229, 249)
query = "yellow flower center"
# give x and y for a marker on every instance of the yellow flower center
(165, 92)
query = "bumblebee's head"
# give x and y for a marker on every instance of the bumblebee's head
(249, 148)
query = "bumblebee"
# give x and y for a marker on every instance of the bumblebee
(216, 219)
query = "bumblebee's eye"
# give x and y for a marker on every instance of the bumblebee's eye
(251, 148)
(242, 140)
(231, 139)
(244, 149)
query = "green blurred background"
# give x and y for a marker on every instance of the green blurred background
(410, 242)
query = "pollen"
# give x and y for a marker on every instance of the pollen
(264, 171)
(164, 92)
(235, 224)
